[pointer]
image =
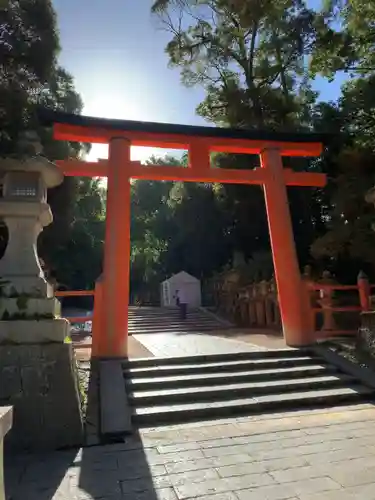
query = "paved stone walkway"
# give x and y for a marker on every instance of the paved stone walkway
(191, 344)
(308, 455)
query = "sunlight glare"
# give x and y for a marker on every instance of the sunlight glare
(110, 107)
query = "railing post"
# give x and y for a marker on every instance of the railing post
(97, 321)
(276, 320)
(268, 304)
(326, 302)
(307, 289)
(251, 306)
(259, 306)
(364, 291)
(245, 307)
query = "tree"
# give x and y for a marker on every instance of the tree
(169, 222)
(30, 77)
(77, 262)
(345, 43)
(250, 57)
(350, 237)
(345, 38)
(198, 242)
(149, 218)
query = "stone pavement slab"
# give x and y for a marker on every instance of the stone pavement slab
(326, 454)
(190, 344)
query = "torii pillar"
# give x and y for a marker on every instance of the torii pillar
(117, 251)
(296, 323)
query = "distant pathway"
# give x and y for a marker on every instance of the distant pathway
(162, 332)
(159, 332)
(190, 344)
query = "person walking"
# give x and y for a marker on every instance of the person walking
(182, 302)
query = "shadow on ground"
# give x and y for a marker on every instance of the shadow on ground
(112, 472)
(118, 471)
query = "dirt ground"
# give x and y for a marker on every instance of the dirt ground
(136, 350)
(268, 339)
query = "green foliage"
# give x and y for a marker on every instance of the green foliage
(249, 56)
(256, 62)
(349, 236)
(251, 59)
(345, 38)
(169, 229)
(30, 77)
(76, 255)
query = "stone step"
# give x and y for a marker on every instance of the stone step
(170, 317)
(178, 329)
(169, 414)
(162, 310)
(197, 380)
(211, 358)
(232, 391)
(167, 320)
(171, 325)
(172, 321)
(167, 323)
(170, 314)
(229, 366)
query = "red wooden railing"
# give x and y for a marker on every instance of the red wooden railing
(325, 294)
(95, 318)
(323, 302)
(334, 308)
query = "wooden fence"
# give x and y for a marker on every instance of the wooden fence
(335, 308)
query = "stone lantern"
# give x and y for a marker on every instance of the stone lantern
(37, 367)
(25, 211)
(25, 293)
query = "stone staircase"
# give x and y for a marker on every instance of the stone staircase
(166, 320)
(163, 391)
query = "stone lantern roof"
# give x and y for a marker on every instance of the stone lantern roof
(30, 159)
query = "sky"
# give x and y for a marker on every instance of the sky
(115, 51)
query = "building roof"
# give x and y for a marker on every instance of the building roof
(182, 276)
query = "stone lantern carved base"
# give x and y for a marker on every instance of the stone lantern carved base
(38, 371)
(25, 307)
(39, 378)
(38, 375)
(40, 382)
(28, 285)
(365, 340)
(34, 331)
(30, 320)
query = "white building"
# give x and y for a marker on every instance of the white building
(190, 285)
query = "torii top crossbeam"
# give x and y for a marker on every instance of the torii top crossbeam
(80, 128)
(200, 142)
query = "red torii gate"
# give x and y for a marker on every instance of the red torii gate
(200, 142)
